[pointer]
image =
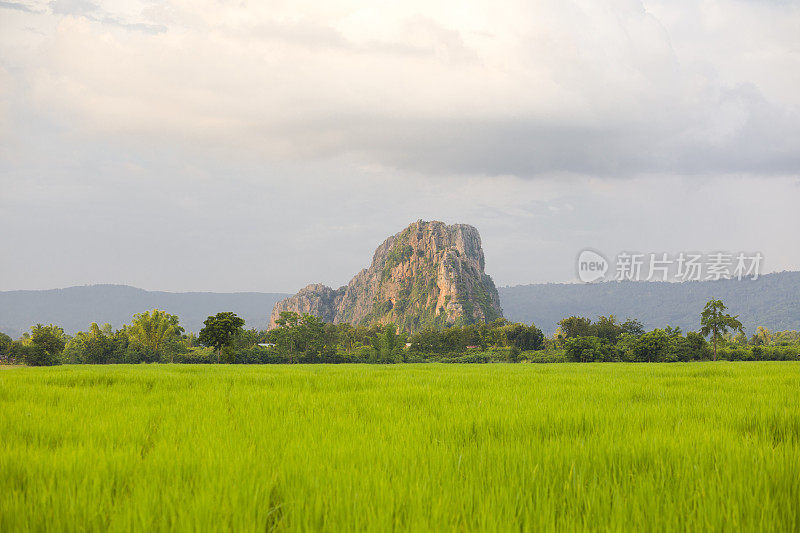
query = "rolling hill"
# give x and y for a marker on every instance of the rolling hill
(772, 301)
(74, 308)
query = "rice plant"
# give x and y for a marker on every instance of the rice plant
(698, 446)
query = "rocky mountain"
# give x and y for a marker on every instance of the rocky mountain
(428, 275)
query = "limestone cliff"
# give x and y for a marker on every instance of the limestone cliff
(428, 275)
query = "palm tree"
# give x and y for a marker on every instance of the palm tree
(763, 336)
(150, 329)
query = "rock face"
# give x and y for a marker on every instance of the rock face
(428, 275)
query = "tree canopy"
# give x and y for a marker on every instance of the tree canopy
(219, 331)
(153, 328)
(716, 323)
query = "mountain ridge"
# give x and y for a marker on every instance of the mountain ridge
(74, 308)
(772, 301)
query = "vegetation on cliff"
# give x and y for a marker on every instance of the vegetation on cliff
(430, 275)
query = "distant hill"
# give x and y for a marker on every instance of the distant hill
(75, 308)
(772, 301)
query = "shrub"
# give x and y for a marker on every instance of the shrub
(514, 354)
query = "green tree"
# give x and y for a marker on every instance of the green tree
(584, 349)
(559, 338)
(716, 323)
(312, 336)
(575, 326)
(247, 338)
(625, 347)
(652, 346)
(762, 337)
(46, 344)
(524, 337)
(287, 334)
(302, 334)
(631, 326)
(347, 336)
(427, 341)
(607, 328)
(390, 344)
(220, 330)
(94, 346)
(6, 344)
(154, 329)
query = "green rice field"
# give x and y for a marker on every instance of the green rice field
(428, 447)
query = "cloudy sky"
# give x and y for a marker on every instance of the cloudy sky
(229, 146)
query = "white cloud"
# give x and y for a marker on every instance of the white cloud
(612, 87)
(282, 132)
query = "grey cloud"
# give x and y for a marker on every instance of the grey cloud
(134, 26)
(106, 209)
(763, 139)
(318, 140)
(681, 119)
(93, 12)
(17, 6)
(72, 7)
(607, 96)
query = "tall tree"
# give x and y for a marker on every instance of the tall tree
(5, 348)
(299, 334)
(153, 328)
(632, 326)
(287, 334)
(576, 326)
(716, 323)
(608, 328)
(220, 330)
(47, 342)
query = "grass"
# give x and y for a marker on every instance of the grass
(699, 446)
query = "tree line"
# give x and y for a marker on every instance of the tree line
(609, 340)
(157, 336)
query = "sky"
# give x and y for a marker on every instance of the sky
(261, 146)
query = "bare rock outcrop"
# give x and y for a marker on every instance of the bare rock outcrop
(428, 275)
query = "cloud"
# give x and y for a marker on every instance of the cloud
(152, 29)
(93, 12)
(285, 132)
(72, 7)
(17, 6)
(614, 88)
(161, 218)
